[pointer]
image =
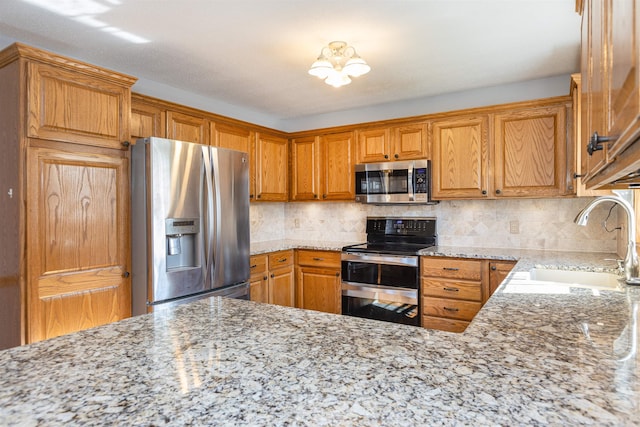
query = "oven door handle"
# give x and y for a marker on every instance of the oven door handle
(385, 293)
(387, 259)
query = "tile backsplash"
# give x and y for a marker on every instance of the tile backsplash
(514, 223)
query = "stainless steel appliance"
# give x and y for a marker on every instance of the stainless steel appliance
(190, 223)
(381, 278)
(402, 182)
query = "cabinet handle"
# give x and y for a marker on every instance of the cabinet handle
(396, 156)
(595, 142)
(126, 274)
(498, 191)
(386, 156)
(318, 259)
(126, 144)
(451, 289)
(577, 175)
(282, 260)
(451, 309)
(484, 192)
(494, 268)
(450, 268)
(253, 266)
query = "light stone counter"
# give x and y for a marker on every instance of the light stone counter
(529, 358)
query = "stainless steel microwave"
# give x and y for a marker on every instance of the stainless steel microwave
(401, 182)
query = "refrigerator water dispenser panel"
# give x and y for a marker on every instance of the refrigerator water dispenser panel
(181, 242)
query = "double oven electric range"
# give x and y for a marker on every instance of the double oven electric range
(381, 278)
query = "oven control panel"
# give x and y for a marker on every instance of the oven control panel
(401, 226)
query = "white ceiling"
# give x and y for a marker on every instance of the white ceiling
(254, 54)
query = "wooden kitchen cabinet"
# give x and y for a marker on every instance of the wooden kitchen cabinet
(323, 167)
(460, 157)
(187, 127)
(259, 278)
(498, 271)
(318, 282)
(232, 137)
(530, 152)
(67, 171)
(147, 119)
(272, 162)
(610, 91)
(403, 142)
(519, 150)
(282, 278)
(272, 278)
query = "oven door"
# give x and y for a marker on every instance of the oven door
(389, 304)
(381, 286)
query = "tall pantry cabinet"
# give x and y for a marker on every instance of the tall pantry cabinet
(65, 199)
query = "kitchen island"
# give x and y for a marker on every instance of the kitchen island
(530, 357)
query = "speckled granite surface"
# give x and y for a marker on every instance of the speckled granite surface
(280, 245)
(546, 356)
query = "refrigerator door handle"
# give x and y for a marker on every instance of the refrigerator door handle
(209, 233)
(218, 263)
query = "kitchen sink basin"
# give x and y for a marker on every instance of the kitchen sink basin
(577, 279)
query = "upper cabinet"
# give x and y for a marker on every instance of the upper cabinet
(392, 143)
(71, 106)
(610, 92)
(147, 119)
(322, 167)
(232, 137)
(271, 165)
(508, 152)
(459, 157)
(187, 127)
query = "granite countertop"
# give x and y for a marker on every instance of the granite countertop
(545, 356)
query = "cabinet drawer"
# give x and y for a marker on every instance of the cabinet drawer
(443, 324)
(258, 264)
(451, 268)
(454, 289)
(319, 258)
(450, 308)
(280, 259)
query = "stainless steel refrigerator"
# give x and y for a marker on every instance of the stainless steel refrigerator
(190, 223)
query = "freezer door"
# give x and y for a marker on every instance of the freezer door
(230, 187)
(176, 191)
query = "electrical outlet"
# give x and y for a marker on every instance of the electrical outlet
(514, 227)
(296, 223)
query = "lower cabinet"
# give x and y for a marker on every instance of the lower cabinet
(318, 280)
(454, 289)
(272, 278)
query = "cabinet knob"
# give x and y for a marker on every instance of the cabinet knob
(273, 275)
(251, 196)
(324, 196)
(126, 274)
(337, 274)
(595, 142)
(258, 196)
(396, 156)
(498, 192)
(126, 144)
(494, 268)
(315, 196)
(484, 192)
(265, 278)
(386, 156)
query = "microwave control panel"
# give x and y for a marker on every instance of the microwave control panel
(421, 182)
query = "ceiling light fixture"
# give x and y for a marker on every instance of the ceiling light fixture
(337, 62)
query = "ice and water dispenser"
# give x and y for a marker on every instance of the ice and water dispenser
(182, 234)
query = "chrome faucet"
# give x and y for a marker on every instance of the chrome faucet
(630, 265)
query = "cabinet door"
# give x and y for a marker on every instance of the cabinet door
(623, 74)
(338, 167)
(72, 107)
(373, 145)
(459, 156)
(146, 121)
(231, 137)
(498, 271)
(259, 284)
(530, 152)
(272, 183)
(410, 142)
(305, 161)
(77, 214)
(593, 86)
(320, 289)
(185, 127)
(282, 287)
